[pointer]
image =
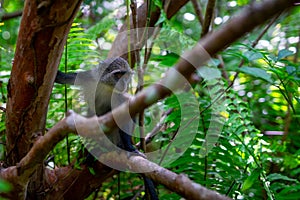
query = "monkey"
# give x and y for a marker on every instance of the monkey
(101, 86)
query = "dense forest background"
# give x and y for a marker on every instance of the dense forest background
(234, 129)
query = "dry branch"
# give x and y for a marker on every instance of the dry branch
(180, 184)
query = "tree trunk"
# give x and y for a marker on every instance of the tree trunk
(43, 32)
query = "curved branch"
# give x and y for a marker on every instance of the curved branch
(178, 183)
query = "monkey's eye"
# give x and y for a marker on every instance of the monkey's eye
(119, 75)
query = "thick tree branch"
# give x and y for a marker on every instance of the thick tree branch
(38, 52)
(177, 183)
(180, 184)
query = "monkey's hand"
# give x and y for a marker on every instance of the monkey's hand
(136, 153)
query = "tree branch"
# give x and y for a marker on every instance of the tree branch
(208, 16)
(73, 122)
(198, 12)
(180, 184)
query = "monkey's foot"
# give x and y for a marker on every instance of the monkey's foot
(136, 153)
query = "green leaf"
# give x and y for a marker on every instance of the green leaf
(92, 171)
(242, 2)
(209, 73)
(162, 18)
(101, 27)
(275, 176)
(272, 57)
(5, 186)
(214, 62)
(290, 70)
(251, 55)
(251, 179)
(169, 60)
(257, 72)
(284, 53)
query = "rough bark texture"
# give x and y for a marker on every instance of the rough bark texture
(43, 31)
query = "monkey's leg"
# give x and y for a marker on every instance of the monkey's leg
(149, 188)
(126, 141)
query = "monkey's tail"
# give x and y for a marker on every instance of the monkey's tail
(150, 188)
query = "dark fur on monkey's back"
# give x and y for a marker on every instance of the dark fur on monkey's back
(99, 85)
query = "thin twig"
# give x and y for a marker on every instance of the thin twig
(208, 16)
(222, 67)
(157, 128)
(149, 50)
(198, 11)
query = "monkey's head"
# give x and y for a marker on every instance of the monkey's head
(116, 73)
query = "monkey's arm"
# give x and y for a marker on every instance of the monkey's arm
(63, 78)
(81, 78)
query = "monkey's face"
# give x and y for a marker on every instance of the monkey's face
(120, 80)
(116, 73)
(117, 80)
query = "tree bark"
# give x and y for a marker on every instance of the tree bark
(42, 35)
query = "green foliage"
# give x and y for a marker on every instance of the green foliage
(5, 186)
(244, 161)
(256, 72)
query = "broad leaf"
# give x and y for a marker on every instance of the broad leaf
(251, 179)
(290, 70)
(284, 53)
(257, 72)
(251, 55)
(275, 176)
